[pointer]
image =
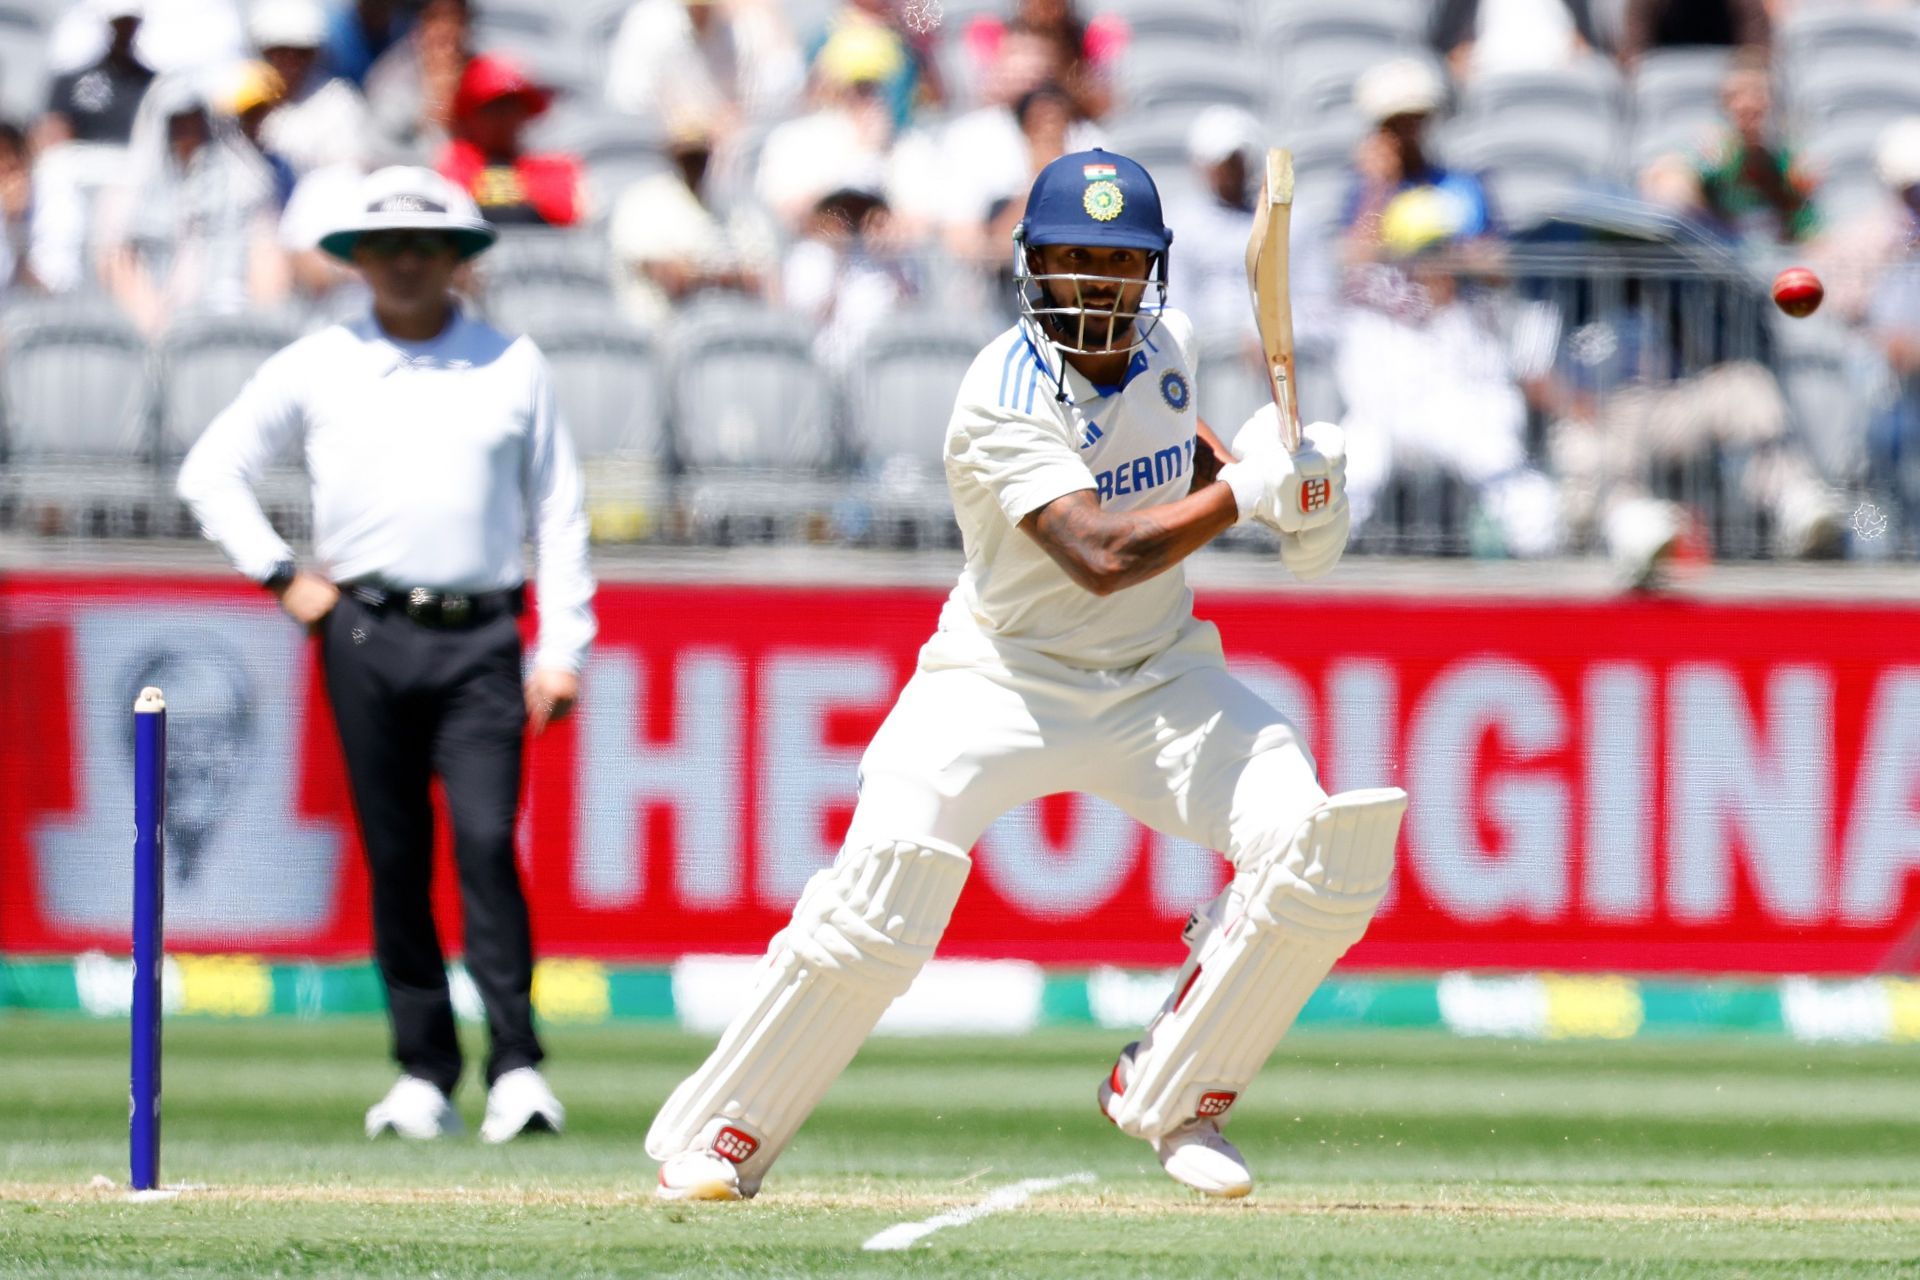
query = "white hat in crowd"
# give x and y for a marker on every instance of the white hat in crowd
(287, 24)
(1221, 131)
(1896, 157)
(1400, 87)
(409, 198)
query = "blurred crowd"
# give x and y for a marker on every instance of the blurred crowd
(849, 160)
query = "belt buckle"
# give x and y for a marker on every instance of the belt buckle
(456, 610)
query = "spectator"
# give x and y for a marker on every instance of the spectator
(1625, 390)
(1663, 24)
(487, 157)
(848, 273)
(850, 129)
(321, 281)
(1893, 323)
(727, 64)
(16, 214)
(199, 36)
(670, 244)
(1744, 181)
(323, 119)
(257, 91)
(1212, 224)
(97, 102)
(987, 155)
(915, 80)
(410, 90)
(1850, 258)
(1481, 36)
(1083, 53)
(358, 32)
(1423, 362)
(192, 229)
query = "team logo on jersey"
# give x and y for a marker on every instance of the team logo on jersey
(1103, 201)
(1174, 390)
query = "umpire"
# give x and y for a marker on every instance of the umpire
(434, 452)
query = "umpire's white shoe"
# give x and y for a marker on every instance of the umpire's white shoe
(520, 1102)
(413, 1108)
(1196, 1154)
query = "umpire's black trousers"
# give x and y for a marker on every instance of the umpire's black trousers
(410, 702)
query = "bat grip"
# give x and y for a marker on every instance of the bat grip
(1282, 379)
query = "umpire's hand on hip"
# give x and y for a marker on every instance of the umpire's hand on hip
(308, 597)
(550, 696)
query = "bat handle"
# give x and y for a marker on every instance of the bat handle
(1282, 379)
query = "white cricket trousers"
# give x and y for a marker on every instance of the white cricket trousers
(1176, 743)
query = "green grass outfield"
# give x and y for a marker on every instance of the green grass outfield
(1380, 1154)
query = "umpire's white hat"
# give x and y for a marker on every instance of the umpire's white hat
(409, 198)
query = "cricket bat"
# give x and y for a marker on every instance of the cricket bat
(1267, 281)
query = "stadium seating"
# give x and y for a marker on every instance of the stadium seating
(755, 422)
(76, 419)
(202, 362)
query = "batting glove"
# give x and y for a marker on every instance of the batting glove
(1312, 553)
(1287, 492)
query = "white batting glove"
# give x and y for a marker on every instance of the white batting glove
(1287, 492)
(1312, 553)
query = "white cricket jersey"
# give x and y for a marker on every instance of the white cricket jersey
(430, 462)
(1026, 429)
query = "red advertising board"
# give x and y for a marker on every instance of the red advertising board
(1641, 785)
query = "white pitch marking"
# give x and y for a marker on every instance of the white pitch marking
(907, 1234)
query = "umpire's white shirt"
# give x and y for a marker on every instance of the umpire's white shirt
(1026, 429)
(430, 463)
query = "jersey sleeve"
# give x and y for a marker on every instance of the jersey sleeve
(1023, 460)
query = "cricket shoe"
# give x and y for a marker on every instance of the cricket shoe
(711, 1168)
(414, 1108)
(520, 1102)
(1196, 1154)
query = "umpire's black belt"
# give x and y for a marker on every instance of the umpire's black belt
(440, 610)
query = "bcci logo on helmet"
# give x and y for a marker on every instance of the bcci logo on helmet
(1103, 201)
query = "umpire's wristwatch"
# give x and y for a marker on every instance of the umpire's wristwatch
(279, 576)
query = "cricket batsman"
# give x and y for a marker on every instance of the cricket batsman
(1068, 659)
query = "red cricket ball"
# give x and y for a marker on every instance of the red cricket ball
(1797, 291)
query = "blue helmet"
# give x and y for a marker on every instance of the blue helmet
(1095, 198)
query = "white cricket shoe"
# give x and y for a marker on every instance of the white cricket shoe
(1196, 1154)
(414, 1108)
(712, 1169)
(520, 1102)
(700, 1175)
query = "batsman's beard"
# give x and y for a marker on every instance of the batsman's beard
(1085, 329)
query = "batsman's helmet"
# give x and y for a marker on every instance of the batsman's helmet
(1096, 198)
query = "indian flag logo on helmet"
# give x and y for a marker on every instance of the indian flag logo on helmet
(1095, 172)
(1103, 201)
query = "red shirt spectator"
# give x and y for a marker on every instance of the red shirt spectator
(491, 111)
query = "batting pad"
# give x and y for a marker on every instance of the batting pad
(1267, 942)
(860, 933)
